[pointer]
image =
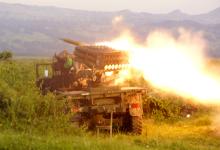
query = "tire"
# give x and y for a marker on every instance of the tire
(136, 125)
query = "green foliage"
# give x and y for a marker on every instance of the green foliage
(162, 106)
(22, 107)
(4, 55)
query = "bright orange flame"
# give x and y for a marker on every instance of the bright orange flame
(174, 64)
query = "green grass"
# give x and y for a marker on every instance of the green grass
(29, 120)
(180, 136)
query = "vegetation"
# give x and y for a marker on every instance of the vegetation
(5, 55)
(29, 120)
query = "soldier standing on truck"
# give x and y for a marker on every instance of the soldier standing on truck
(67, 60)
(66, 65)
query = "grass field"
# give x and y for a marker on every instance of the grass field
(31, 121)
(179, 136)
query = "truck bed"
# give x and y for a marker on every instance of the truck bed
(100, 92)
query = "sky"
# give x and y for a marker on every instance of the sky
(151, 6)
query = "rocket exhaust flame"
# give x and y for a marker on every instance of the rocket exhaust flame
(173, 64)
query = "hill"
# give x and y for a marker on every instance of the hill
(36, 30)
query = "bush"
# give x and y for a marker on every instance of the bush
(163, 106)
(5, 55)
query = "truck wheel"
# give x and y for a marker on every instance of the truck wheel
(136, 124)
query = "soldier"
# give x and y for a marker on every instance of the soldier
(69, 63)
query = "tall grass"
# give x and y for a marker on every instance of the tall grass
(22, 107)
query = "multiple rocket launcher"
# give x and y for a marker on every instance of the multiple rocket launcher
(99, 57)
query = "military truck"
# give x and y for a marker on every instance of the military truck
(86, 80)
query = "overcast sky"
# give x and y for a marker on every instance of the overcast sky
(152, 6)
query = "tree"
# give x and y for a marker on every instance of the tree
(5, 55)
